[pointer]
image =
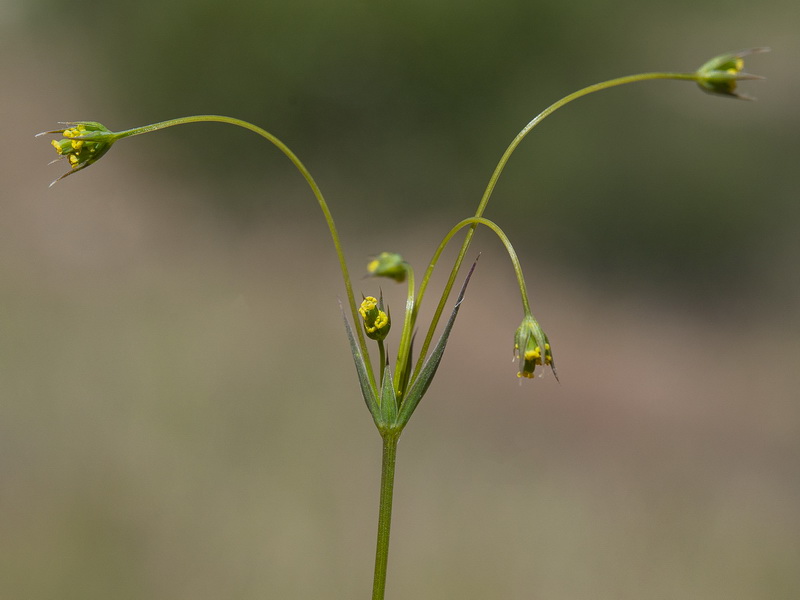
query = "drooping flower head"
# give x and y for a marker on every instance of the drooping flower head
(720, 74)
(84, 142)
(532, 348)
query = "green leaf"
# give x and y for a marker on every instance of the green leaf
(367, 391)
(423, 381)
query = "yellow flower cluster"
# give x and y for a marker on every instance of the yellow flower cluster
(84, 142)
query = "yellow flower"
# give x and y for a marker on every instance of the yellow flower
(84, 142)
(528, 343)
(720, 74)
(376, 322)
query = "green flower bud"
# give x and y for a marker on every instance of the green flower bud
(720, 74)
(376, 322)
(528, 343)
(388, 264)
(84, 142)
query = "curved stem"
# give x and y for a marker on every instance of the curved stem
(504, 160)
(473, 222)
(314, 188)
(555, 106)
(385, 513)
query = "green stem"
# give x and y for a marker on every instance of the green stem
(597, 87)
(473, 221)
(381, 360)
(504, 160)
(314, 188)
(385, 513)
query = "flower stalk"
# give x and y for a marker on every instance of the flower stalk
(91, 132)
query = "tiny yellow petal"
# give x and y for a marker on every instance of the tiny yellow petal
(532, 354)
(367, 305)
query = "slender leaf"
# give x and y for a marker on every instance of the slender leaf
(423, 381)
(363, 378)
(388, 399)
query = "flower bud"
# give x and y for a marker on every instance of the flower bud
(528, 343)
(376, 322)
(720, 74)
(388, 264)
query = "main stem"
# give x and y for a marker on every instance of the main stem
(385, 513)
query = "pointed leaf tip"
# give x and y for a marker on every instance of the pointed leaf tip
(425, 377)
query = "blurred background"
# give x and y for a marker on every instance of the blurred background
(180, 417)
